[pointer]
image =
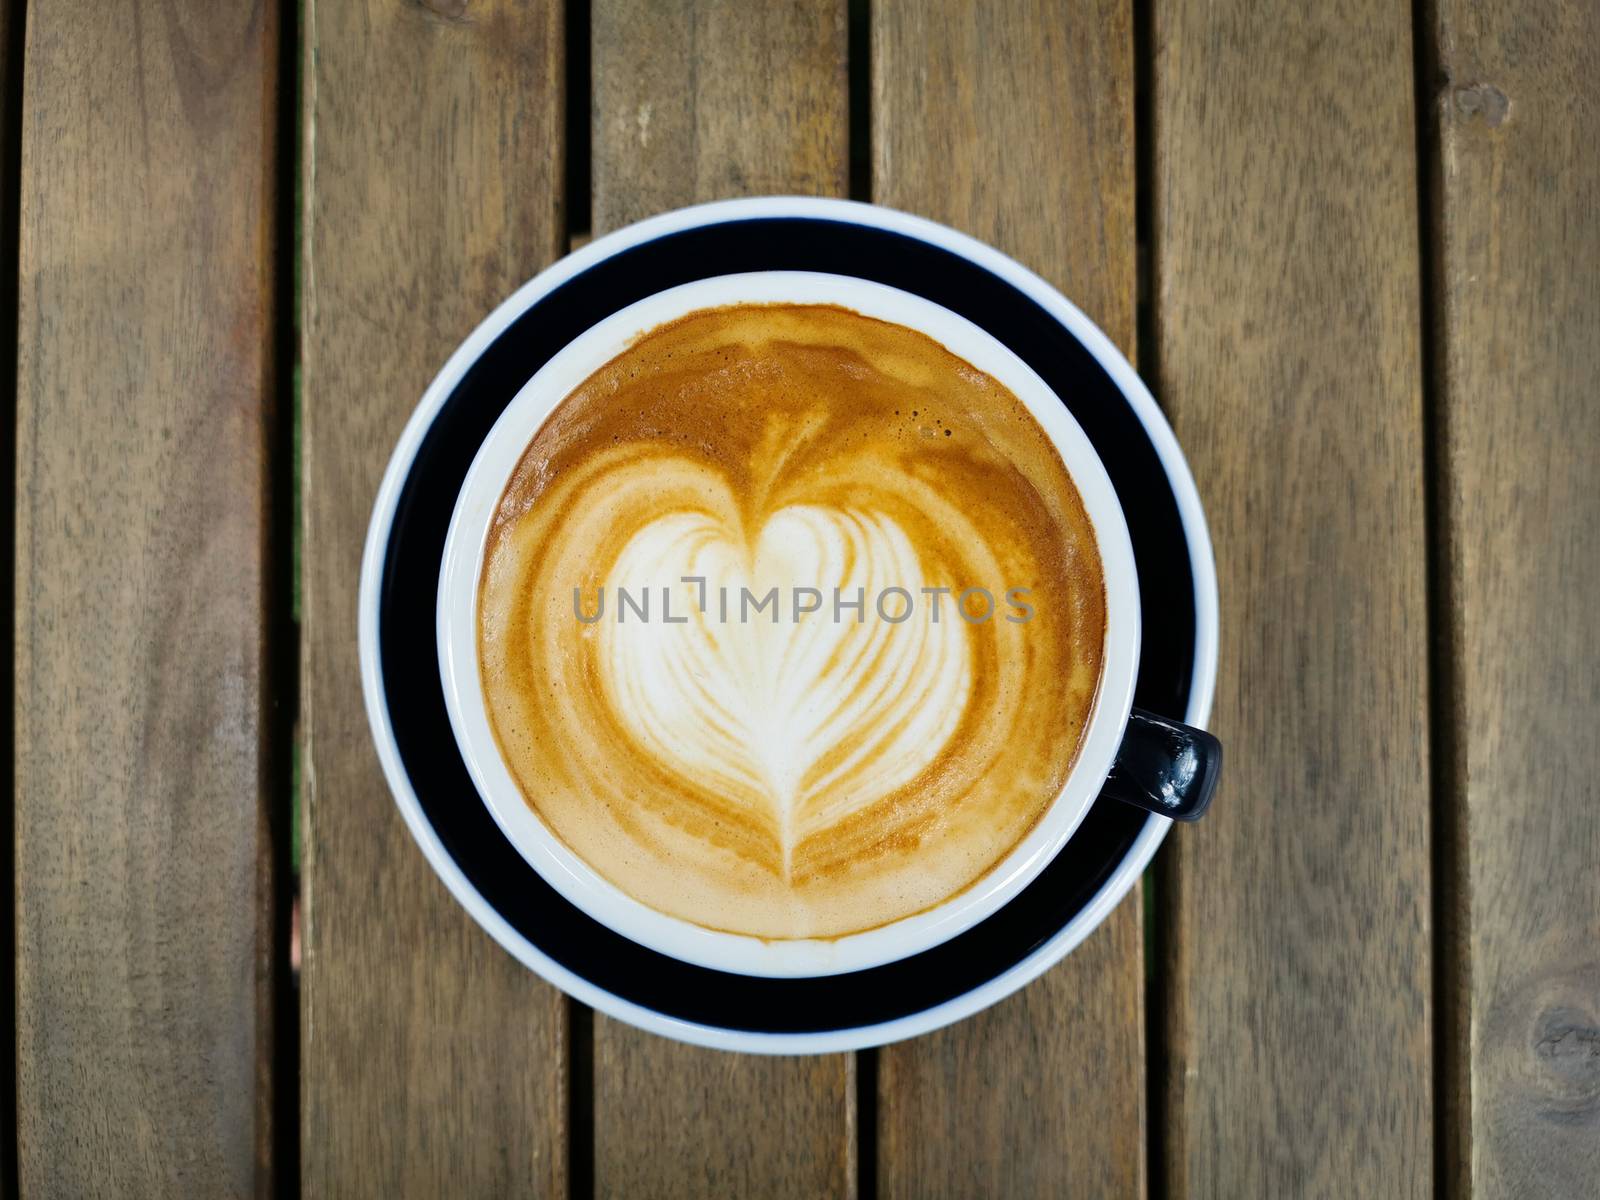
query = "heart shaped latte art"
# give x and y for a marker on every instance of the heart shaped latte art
(769, 770)
(804, 718)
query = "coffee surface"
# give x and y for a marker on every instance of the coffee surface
(807, 738)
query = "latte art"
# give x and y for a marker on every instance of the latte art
(788, 721)
(808, 770)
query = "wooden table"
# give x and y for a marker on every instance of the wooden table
(1354, 248)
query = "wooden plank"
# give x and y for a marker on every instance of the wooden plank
(1518, 291)
(10, 160)
(710, 99)
(699, 100)
(1020, 131)
(145, 388)
(1288, 326)
(674, 1120)
(432, 1063)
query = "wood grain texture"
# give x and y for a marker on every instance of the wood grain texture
(1018, 128)
(710, 99)
(10, 159)
(432, 1063)
(1518, 350)
(1288, 324)
(1042, 1095)
(145, 400)
(695, 101)
(675, 1120)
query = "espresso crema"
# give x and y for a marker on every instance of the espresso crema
(790, 621)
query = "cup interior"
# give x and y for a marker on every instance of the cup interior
(456, 631)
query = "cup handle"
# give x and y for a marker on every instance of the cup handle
(1165, 767)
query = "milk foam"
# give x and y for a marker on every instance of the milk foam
(805, 722)
(797, 778)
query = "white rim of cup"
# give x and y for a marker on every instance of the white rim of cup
(567, 872)
(1202, 679)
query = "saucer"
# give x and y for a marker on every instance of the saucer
(401, 572)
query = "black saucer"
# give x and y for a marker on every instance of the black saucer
(410, 669)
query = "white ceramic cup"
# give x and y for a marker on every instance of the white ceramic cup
(574, 878)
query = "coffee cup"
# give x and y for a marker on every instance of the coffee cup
(1122, 754)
